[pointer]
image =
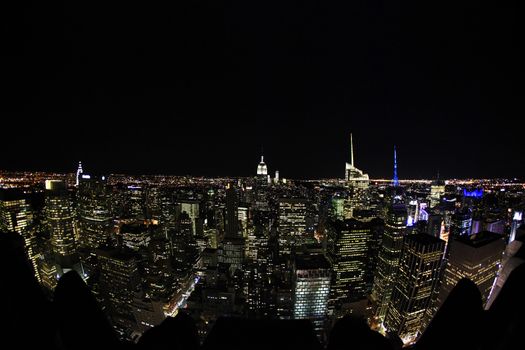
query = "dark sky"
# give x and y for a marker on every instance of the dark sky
(197, 87)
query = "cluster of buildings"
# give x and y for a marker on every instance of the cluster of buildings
(263, 247)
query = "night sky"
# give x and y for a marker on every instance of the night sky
(199, 87)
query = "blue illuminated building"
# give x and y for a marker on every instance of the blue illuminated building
(477, 193)
(396, 179)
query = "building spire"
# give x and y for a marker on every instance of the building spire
(351, 150)
(262, 169)
(79, 172)
(396, 179)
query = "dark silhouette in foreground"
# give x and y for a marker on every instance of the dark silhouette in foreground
(457, 323)
(80, 321)
(173, 333)
(237, 334)
(74, 320)
(362, 337)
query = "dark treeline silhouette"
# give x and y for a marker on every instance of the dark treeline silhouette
(74, 320)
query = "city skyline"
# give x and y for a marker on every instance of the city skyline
(279, 174)
(350, 166)
(375, 159)
(262, 248)
(438, 176)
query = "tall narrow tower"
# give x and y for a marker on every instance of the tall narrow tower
(79, 172)
(355, 177)
(232, 212)
(351, 150)
(388, 258)
(396, 179)
(262, 169)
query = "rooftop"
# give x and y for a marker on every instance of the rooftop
(425, 239)
(311, 262)
(480, 239)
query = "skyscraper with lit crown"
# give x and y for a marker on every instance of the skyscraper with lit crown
(262, 169)
(396, 178)
(79, 173)
(355, 177)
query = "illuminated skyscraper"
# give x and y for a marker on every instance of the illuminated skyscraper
(259, 291)
(184, 245)
(119, 279)
(357, 199)
(243, 219)
(412, 212)
(168, 218)
(136, 236)
(388, 258)
(349, 245)
(337, 208)
(136, 196)
(356, 178)
(48, 272)
(192, 208)
(95, 219)
(311, 289)
(79, 173)
(396, 178)
(262, 169)
(60, 220)
(476, 257)
(262, 181)
(16, 215)
(437, 189)
(517, 220)
(415, 286)
(292, 224)
(232, 248)
(231, 252)
(357, 182)
(512, 258)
